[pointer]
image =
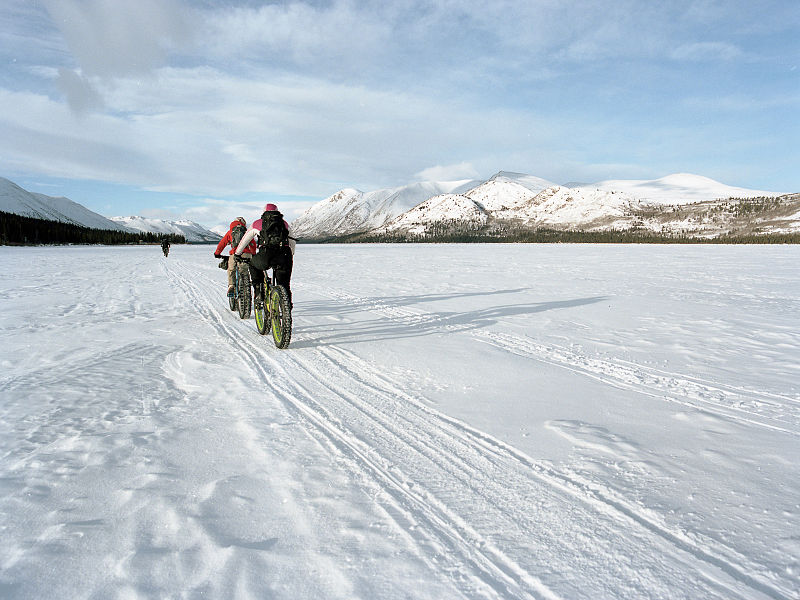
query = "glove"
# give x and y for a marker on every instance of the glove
(218, 256)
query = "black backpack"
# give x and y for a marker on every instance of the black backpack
(274, 234)
(237, 233)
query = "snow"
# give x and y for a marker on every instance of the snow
(443, 208)
(515, 196)
(497, 195)
(350, 210)
(561, 206)
(193, 232)
(18, 201)
(531, 182)
(450, 421)
(676, 189)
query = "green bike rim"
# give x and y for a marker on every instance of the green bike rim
(275, 313)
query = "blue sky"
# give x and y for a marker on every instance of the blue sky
(204, 109)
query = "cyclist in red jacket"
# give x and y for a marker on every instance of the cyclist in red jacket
(235, 234)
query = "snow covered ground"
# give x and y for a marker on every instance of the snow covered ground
(481, 421)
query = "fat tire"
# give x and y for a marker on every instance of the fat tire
(263, 322)
(243, 293)
(280, 316)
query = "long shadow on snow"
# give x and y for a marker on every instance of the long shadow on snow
(355, 304)
(415, 325)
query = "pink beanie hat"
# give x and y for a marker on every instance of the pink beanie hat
(270, 207)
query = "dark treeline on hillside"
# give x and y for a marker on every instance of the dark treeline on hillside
(543, 236)
(19, 230)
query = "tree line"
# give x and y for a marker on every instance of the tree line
(20, 230)
(544, 236)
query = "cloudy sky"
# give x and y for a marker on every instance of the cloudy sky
(205, 108)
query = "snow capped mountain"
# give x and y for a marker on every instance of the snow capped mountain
(352, 211)
(508, 201)
(558, 206)
(498, 194)
(193, 232)
(220, 230)
(453, 210)
(534, 184)
(676, 189)
(18, 201)
(521, 200)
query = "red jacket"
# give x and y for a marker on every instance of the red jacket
(226, 239)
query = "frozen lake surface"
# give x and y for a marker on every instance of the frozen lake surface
(450, 421)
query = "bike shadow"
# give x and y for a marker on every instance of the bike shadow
(387, 319)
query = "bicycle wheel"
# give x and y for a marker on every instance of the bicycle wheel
(232, 298)
(281, 316)
(261, 311)
(243, 292)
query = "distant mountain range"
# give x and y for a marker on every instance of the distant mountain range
(193, 232)
(677, 204)
(507, 203)
(18, 201)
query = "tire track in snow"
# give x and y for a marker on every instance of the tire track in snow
(383, 431)
(752, 407)
(450, 544)
(595, 496)
(603, 499)
(746, 406)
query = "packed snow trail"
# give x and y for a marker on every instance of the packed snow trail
(172, 444)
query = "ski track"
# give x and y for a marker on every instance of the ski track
(487, 517)
(450, 550)
(739, 404)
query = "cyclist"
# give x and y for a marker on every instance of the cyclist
(275, 250)
(165, 246)
(234, 235)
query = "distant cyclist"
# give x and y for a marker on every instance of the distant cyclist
(165, 246)
(275, 250)
(234, 235)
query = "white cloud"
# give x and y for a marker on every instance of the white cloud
(305, 97)
(200, 131)
(110, 38)
(463, 170)
(216, 213)
(298, 33)
(80, 94)
(707, 51)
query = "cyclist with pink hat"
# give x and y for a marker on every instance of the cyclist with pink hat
(275, 250)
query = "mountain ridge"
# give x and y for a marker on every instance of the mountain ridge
(674, 204)
(16, 200)
(194, 233)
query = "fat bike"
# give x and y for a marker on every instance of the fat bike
(239, 298)
(273, 312)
